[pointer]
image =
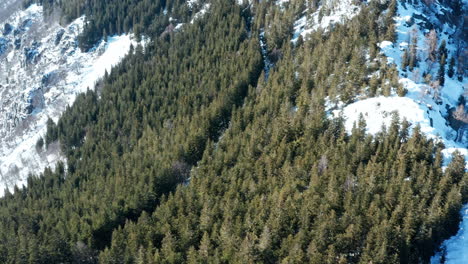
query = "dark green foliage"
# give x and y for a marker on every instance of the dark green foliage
(413, 59)
(52, 134)
(451, 69)
(40, 144)
(442, 50)
(441, 72)
(442, 55)
(303, 191)
(389, 23)
(401, 91)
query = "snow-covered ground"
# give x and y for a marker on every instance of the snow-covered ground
(41, 72)
(379, 111)
(328, 13)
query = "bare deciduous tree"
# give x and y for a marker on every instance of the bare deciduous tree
(416, 76)
(460, 114)
(413, 59)
(435, 87)
(323, 164)
(461, 60)
(431, 45)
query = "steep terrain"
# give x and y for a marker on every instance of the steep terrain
(432, 96)
(427, 102)
(41, 72)
(249, 132)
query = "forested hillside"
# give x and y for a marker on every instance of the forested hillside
(213, 144)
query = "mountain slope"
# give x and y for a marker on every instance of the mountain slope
(432, 102)
(42, 71)
(217, 143)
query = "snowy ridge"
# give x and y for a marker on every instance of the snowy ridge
(41, 72)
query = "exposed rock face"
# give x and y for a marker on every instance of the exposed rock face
(26, 56)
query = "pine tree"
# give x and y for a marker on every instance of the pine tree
(451, 69)
(441, 72)
(405, 60)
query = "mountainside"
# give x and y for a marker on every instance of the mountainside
(289, 131)
(434, 35)
(41, 72)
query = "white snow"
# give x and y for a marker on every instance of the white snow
(379, 111)
(456, 247)
(115, 49)
(179, 26)
(23, 86)
(329, 13)
(6, 6)
(191, 3)
(241, 2)
(280, 3)
(201, 13)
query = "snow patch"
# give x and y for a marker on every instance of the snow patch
(329, 13)
(201, 13)
(192, 3)
(379, 111)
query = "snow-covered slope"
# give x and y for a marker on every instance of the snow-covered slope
(327, 14)
(41, 72)
(424, 105)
